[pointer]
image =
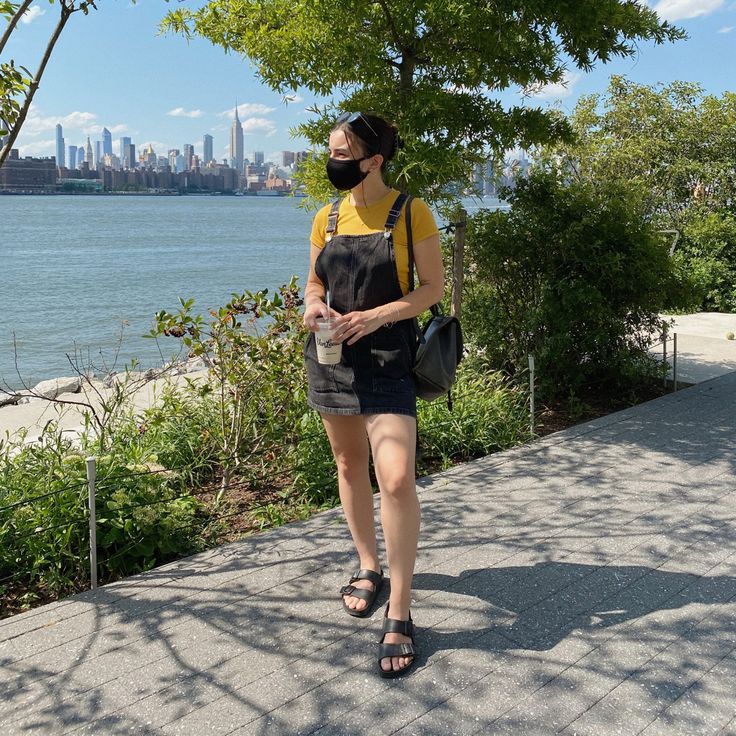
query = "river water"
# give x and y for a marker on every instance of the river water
(74, 269)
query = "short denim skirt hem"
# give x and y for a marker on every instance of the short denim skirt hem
(363, 410)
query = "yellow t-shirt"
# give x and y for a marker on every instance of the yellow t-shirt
(352, 220)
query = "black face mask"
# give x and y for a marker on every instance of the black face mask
(345, 174)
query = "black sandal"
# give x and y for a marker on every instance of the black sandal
(395, 626)
(369, 596)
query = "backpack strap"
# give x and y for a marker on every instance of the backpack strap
(332, 220)
(393, 214)
(410, 244)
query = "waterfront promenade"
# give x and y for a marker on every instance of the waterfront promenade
(584, 584)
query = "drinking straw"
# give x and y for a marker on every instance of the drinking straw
(329, 313)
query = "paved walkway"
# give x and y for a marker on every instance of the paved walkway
(583, 584)
(703, 350)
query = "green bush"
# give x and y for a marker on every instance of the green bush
(144, 518)
(707, 251)
(572, 274)
(489, 414)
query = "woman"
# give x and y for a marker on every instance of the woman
(367, 401)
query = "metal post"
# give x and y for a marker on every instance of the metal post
(674, 360)
(458, 258)
(664, 353)
(91, 478)
(531, 394)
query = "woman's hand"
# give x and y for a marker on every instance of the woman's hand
(359, 324)
(317, 309)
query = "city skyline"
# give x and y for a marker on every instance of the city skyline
(196, 83)
(71, 156)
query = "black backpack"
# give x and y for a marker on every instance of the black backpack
(440, 347)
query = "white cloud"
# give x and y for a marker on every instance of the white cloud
(247, 109)
(556, 90)
(259, 125)
(180, 112)
(726, 29)
(682, 9)
(31, 14)
(36, 124)
(38, 148)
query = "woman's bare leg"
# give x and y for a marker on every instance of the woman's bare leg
(349, 442)
(393, 443)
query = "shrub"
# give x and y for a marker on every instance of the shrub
(572, 274)
(707, 250)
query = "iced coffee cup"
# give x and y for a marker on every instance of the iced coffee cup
(328, 352)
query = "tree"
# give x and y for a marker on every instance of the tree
(432, 66)
(675, 145)
(673, 142)
(17, 85)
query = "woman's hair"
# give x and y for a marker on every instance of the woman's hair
(373, 134)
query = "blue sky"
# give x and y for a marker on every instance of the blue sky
(111, 69)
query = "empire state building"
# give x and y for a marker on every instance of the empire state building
(236, 143)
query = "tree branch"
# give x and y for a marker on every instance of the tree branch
(392, 26)
(63, 18)
(13, 23)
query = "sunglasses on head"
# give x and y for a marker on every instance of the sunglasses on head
(358, 124)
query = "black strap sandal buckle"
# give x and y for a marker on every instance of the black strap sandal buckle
(369, 596)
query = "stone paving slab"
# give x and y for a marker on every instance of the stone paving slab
(581, 584)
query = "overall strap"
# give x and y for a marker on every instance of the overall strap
(393, 214)
(410, 244)
(332, 220)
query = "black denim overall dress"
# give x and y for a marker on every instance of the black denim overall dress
(374, 375)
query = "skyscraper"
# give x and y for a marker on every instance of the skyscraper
(88, 154)
(59, 145)
(106, 142)
(98, 155)
(80, 156)
(188, 155)
(236, 142)
(207, 149)
(72, 157)
(257, 158)
(124, 143)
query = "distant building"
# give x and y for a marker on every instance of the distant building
(88, 154)
(111, 161)
(28, 174)
(124, 143)
(129, 157)
(287, 158)
(80, 156)
(207, 148)
(72, 157)
(188, 155)
(257, 159)
(106, 142)
(98, 154)
(236, 143)
(148, 157)
(60, 159)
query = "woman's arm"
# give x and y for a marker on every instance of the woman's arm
(431, 272)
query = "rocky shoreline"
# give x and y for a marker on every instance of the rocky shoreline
(31, 409)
